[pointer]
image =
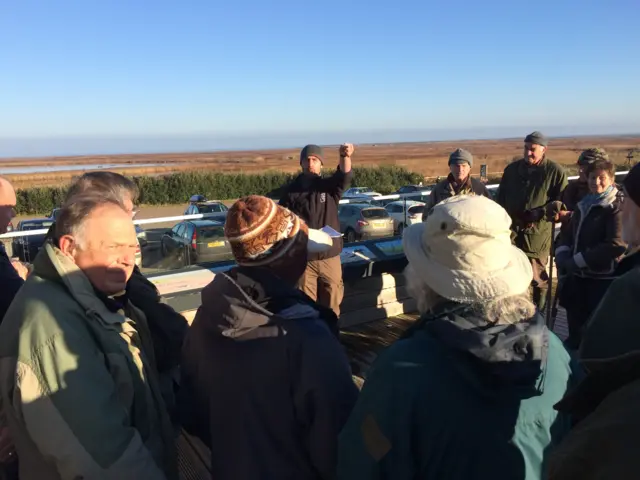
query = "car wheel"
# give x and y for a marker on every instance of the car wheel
(400, 229)
(350, 236)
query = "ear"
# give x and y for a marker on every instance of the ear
(68, 245)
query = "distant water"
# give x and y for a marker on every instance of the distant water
(63, 146)
(67, 168)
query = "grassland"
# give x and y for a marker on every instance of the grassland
(429, 158)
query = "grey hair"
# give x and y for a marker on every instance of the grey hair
(108, 184)
(75, 212)
(499, 311)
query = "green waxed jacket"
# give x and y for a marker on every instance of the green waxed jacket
(78, 382)
(524, 187)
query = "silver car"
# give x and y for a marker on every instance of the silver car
(363, 221)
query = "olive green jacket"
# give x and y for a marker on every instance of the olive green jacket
(524, 188)
(78, 383)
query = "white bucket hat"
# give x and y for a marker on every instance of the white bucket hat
(463, 251)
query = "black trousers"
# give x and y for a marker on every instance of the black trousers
(580, 297)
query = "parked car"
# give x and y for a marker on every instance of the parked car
(198, 204)
(361, 221)
(195, 241)
(54, 214)
(414, 189)
(360, 192)
(142, 236)
(26, 248)
(403, 218)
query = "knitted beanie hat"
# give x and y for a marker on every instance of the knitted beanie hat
(260, 231)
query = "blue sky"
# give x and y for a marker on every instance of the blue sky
(82, 76)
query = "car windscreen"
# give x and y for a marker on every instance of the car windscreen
(375, 213)
(209, 208)
(416, 210)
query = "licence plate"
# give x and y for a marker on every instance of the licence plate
(380, 224)
(215, 244)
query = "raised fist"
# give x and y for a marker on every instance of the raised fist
(346, 150)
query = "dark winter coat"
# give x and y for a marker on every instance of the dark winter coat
(525, 189)
(265, 384)
(575, 191)
(315, 199)
(605, 443)
(10, 282)
(594, 237)
(614, 329)
(460, 399)
(445, 189)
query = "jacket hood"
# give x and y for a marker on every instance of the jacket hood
(247, 303)
(510, 356)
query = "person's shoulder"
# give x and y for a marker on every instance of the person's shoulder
(558, 357)
(630, 280)
(478, 184)
(513, 166)
(420, 351)
(41, 314)
(554, 167)
(511, 170)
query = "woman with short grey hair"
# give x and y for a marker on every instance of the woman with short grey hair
(469, 391)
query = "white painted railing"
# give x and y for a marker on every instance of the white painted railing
(178, 218)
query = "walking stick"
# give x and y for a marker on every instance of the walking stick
(549, 290)
(554, 308)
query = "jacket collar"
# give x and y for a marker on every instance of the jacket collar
(53, 265)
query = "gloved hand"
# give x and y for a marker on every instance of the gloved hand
(562, 258)
(532, 216)
(570, 266)
(552, 211)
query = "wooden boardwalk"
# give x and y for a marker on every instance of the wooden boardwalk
(364, 342)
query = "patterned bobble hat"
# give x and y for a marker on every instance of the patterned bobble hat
(261, 231)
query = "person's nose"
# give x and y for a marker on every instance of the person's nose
(128, 258)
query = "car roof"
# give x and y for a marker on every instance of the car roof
(206, 223)
(363, 205)
(411, 203)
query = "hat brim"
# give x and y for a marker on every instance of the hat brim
(319, 241)
(467, 286)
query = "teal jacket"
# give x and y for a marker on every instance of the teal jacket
(460, 399)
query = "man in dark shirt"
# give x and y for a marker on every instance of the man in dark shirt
(12, 276)
(315, 199)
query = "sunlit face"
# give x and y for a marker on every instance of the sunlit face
(7, 205)
(599, 181)
(630, 221)
(312, 164)
(460, 171)
(105, 250)
(533, 153)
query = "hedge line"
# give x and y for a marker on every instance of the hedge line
(178, 187)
